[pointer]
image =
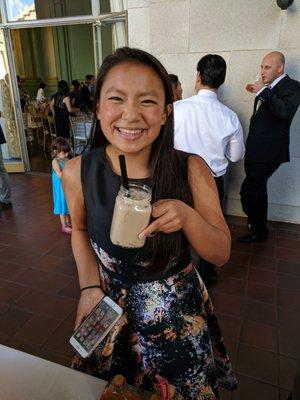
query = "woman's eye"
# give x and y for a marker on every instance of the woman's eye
(148, 101)
(115, 98)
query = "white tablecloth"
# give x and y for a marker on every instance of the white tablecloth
(25, 377)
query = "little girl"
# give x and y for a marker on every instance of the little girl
(60, 149)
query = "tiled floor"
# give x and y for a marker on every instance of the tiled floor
(257, 297)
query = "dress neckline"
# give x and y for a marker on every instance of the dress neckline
(117, 175)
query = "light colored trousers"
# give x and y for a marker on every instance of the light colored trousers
(4, 182)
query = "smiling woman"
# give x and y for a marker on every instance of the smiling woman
(168, 326)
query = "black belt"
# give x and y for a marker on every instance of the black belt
(132, 278)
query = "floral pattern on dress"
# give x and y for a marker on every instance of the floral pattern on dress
(168, 328)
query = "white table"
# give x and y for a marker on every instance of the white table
(26, 377)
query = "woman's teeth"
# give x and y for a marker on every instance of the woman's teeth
(130, 132)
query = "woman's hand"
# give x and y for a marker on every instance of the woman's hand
(170, 216)
(88, 300)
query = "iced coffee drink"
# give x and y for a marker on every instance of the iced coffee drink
(131, 216)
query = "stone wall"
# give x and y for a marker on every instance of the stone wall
(180, 32)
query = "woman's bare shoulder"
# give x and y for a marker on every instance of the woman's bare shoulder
(72, 170)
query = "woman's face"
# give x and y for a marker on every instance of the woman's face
(131, 108)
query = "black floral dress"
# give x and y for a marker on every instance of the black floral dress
(168, 328)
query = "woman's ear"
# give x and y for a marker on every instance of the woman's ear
(98, 110)
(168, 111)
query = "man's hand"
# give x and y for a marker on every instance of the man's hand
(257, 86)
(170, 216)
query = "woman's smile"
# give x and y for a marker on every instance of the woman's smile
(130, 134)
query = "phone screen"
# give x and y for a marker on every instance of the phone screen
(95, 325)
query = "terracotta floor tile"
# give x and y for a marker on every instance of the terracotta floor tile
(56, 357)
(10, 270)
(3, 307)
(261, 312)
(71, 290)
(258, 364)
(266, 294)
(289, 342)
(264, 250)
(251, 389)
(262, 276)
(288, 317)
(232, 349)
(46, 281)
(289, 373)
(12, 320)
(259, 335)
(288, 254)
(56, 264)
(263, 262)
(233, 271)
(47, 304)
(288, 282)
(38, 329)
(237, 257)
(11, 292)
(231, 286)
(230, 327)
(289, 298)
(228, 304)
(288, 267)
(27, 258)
(289, 243)
(286, 234)
(235, 245)
(59, 340)
(8, 253)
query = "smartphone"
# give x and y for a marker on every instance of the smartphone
(95, 327)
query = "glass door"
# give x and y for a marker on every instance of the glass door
(10, 108)
(109, 34)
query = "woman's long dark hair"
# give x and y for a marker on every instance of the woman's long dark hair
(169, 177)
(63, 88)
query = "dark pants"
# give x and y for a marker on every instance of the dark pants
(205, 268)
(254, 194)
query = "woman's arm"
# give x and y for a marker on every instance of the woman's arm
(56, 167)
(51, 104)
(206, 228)
(204, 225)
(85, 257)
(68, 104)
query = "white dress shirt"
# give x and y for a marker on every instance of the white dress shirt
(205, 126)
(40, 97)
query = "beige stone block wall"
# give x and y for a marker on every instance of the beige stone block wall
(180, 32)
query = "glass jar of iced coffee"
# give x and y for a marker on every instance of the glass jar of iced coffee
(131, 216)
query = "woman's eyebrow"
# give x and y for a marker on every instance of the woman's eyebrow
(141, 94)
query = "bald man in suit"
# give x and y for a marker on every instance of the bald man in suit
(267, 147)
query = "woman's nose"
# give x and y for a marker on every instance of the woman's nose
(131, 112)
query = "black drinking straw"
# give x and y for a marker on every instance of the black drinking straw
(123, 172)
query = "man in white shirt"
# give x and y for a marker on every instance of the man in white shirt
(205, 126)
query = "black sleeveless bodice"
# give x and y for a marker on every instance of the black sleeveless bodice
(100, 185)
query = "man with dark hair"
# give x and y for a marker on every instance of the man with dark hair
(87, 92)
(176, 87)
(276, 102)
(205, 126)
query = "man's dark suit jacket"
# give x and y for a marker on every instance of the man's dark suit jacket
(2, 137)
(86, 97)
(269, 131)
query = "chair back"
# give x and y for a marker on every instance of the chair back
(51, 124)
(78, 128)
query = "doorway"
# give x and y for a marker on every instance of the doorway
(48, 55)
